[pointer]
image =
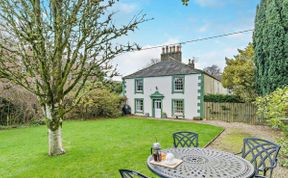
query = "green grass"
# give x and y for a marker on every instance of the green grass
(233, 141)
(94, 148)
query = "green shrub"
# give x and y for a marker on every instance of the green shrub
(100, 102)
(218, 98)
(274, 108)
(284, 152)
(36, 122)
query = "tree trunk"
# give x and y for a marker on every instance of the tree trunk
(55, 142)
(55, 146)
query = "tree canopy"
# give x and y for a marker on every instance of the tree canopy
(239, 74)
(185, 2)
(271, 45)
(52, 47)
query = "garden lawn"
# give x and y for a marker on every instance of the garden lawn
(93, 148)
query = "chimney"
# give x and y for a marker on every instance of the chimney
(191, 63)
(171, 53)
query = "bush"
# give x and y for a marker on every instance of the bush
(36, 122)
(284, 152)
(218, 98)
(17, 106)
(274, 109)
(99, 102)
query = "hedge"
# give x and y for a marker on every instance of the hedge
(218, 98)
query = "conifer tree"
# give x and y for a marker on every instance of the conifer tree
(271, 45)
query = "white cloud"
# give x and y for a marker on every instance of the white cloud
(241, 36)
(131, 62)
(127, 8)
(214, 57)
(209, 3)
(203, 28)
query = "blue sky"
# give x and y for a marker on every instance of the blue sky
(174, 22)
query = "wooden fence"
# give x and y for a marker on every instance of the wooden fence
(232, 112)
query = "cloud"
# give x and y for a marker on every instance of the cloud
(127, 8)
(209, 3)
(214, 57)
(129, 63)
(203, 28)
(241, 36)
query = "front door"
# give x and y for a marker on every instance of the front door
(157, 108)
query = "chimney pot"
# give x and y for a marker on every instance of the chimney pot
(172, 52)
(191, 63)
(178, 48)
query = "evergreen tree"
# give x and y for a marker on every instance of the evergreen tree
(271, 45)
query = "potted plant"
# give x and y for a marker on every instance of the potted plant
(198, 118)
(163, 115)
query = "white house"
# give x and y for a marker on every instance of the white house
(170, 87)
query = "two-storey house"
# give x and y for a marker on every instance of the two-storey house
(170, 86)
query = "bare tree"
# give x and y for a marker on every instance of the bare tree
(51, 47)
(185, 2)
(213, 70)
(152, 62)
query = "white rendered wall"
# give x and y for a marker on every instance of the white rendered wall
(164, 85)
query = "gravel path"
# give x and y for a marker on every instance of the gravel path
(242, 129)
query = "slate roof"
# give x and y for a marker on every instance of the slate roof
(164, 68)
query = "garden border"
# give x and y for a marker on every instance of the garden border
(210, 142)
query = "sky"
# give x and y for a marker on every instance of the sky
(173, 22)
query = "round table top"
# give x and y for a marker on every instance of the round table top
(203, 162)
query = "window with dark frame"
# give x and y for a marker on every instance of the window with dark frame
(139, 105)
(139, 85)
(178, 107)
(178, 84)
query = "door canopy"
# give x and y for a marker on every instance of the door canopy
(156, 95)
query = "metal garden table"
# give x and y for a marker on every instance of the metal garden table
(202, 162)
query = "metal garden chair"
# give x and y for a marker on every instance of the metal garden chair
(125, 173)
(185, 139)
(262, 153)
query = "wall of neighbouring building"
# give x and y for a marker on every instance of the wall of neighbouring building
(164, 85)
(213, 86)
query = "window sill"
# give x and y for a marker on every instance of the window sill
(139, 112)
(182, 91)
(139, 92)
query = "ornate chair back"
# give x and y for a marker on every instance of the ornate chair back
(262, 153)
(125, 173)
(185, 139)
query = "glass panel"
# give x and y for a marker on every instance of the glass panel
(139, 85)
(157, 104)
(139, 105)
(178, 84)
(178, 107)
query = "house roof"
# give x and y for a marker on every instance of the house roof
(165, 68)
